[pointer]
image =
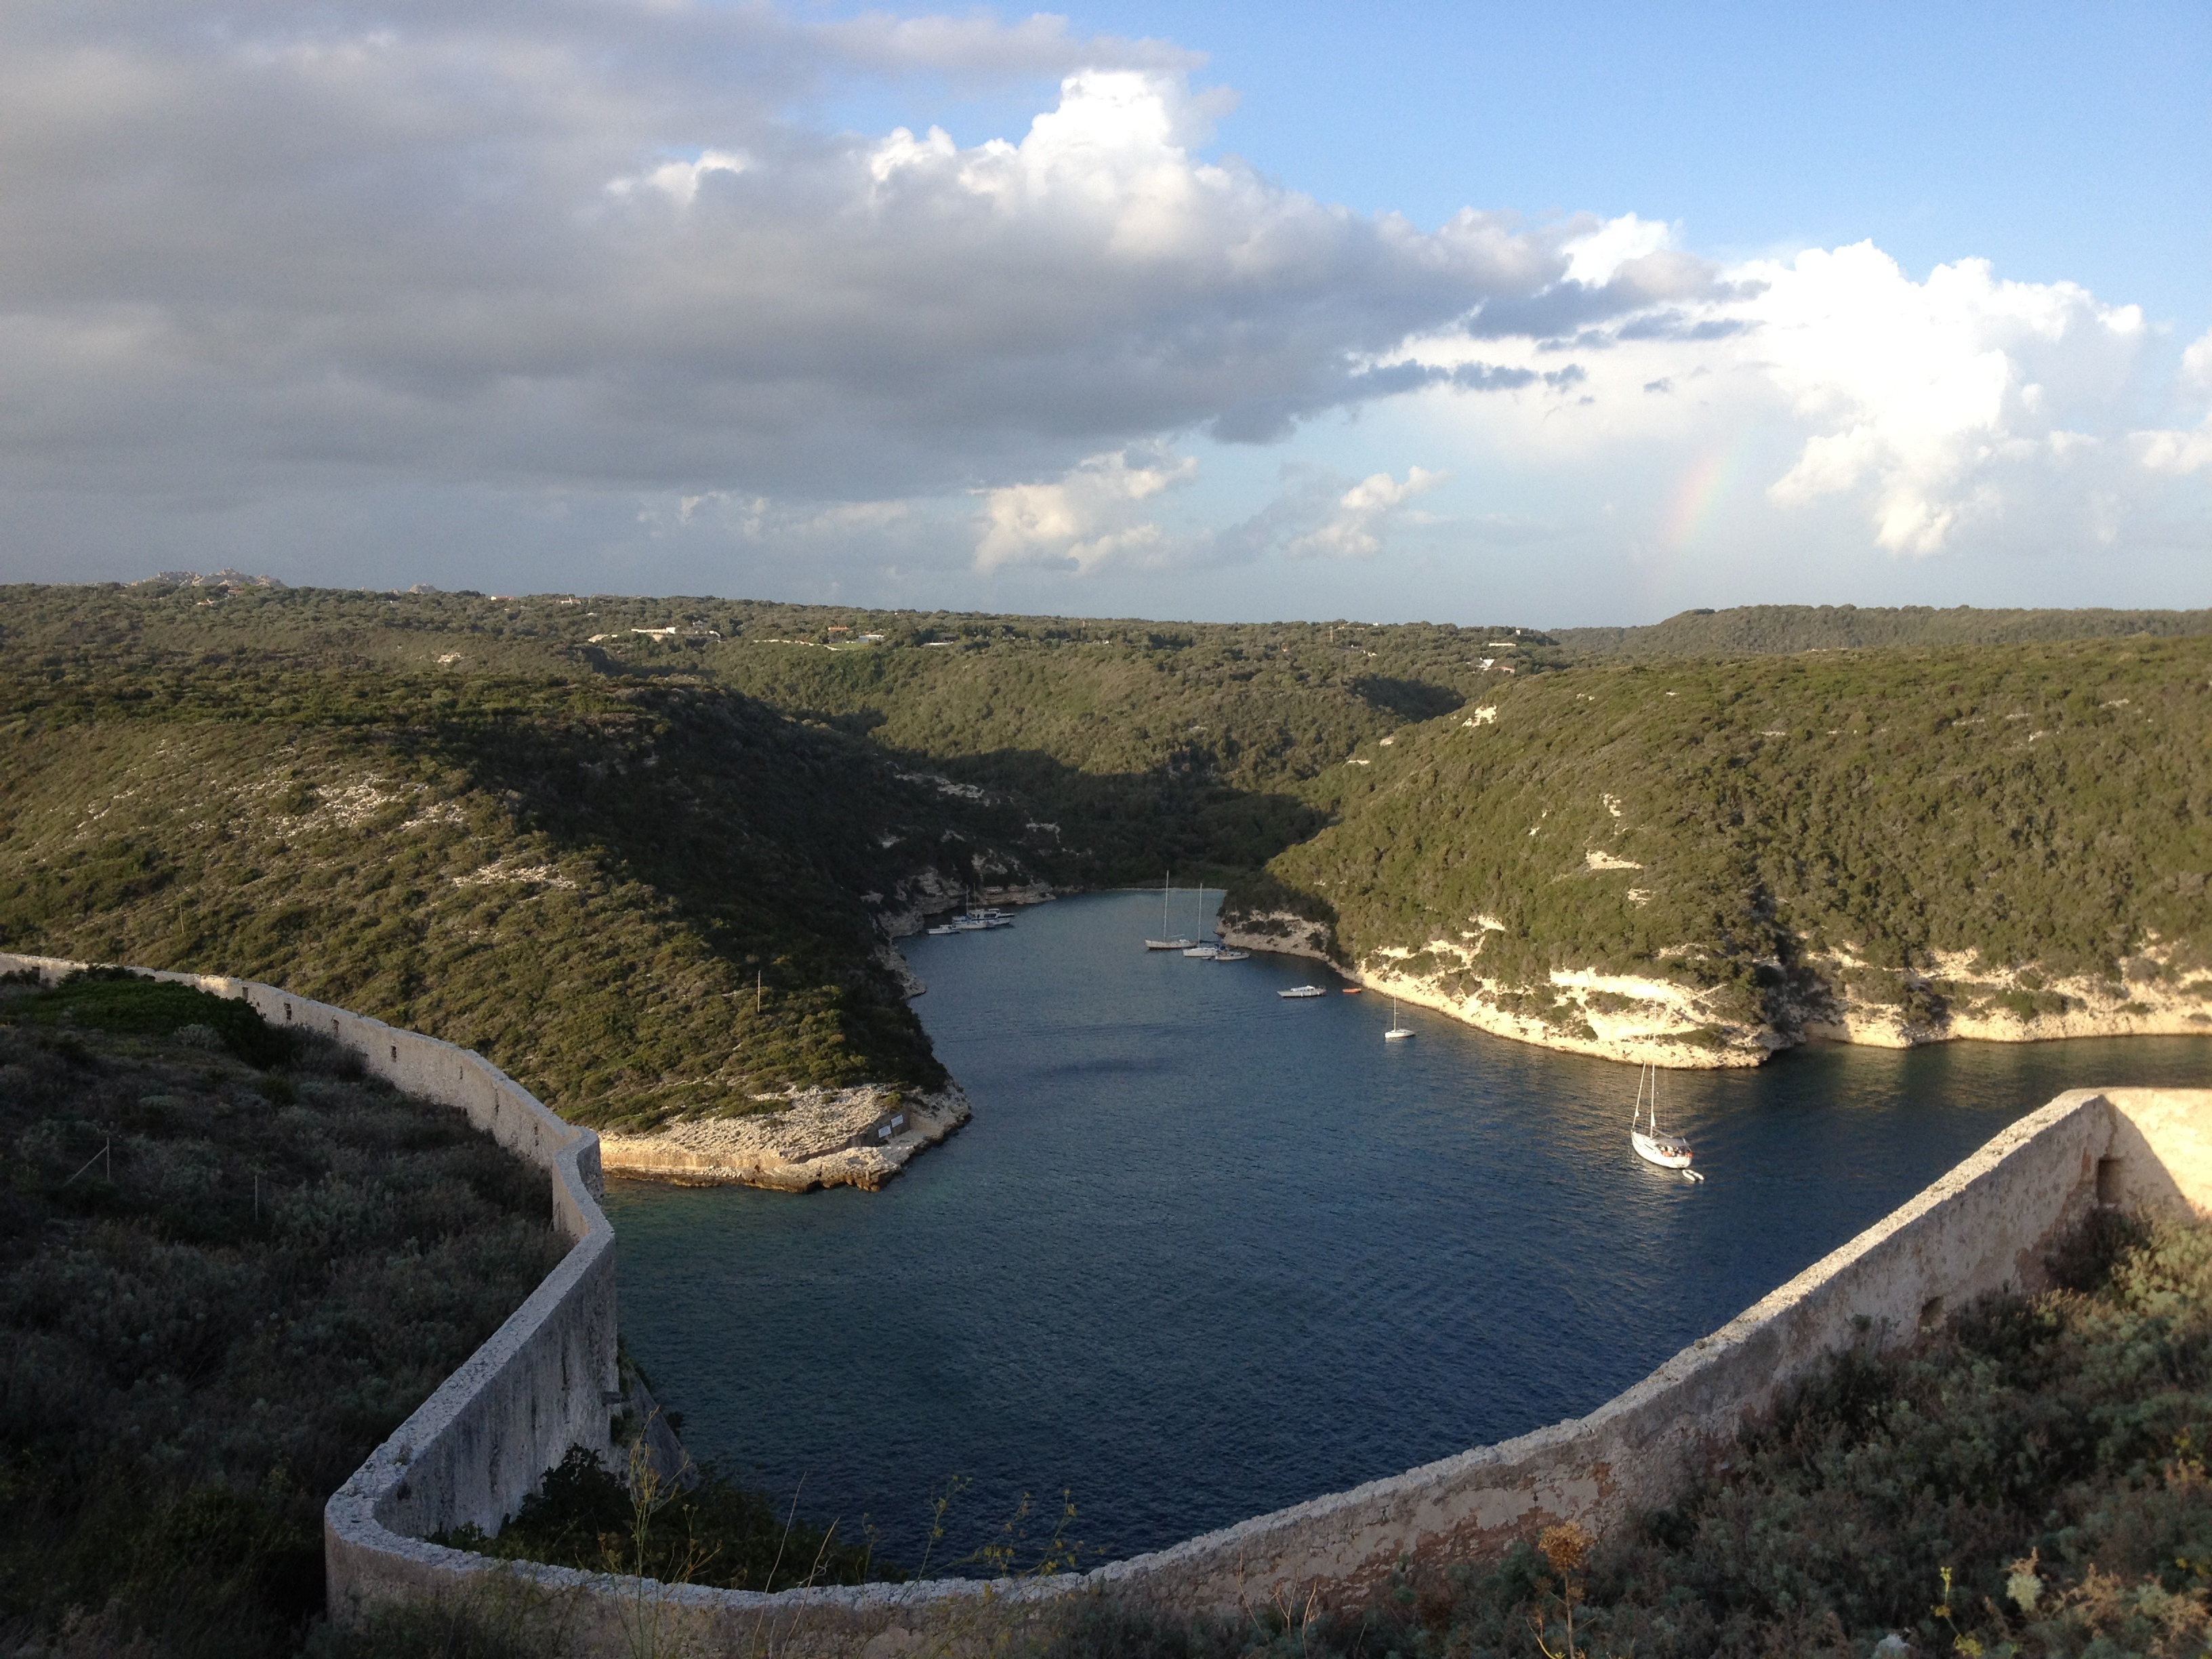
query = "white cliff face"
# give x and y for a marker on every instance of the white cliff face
(1833, 999)
(859, 1137)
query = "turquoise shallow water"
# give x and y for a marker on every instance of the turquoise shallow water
(1204, 1253)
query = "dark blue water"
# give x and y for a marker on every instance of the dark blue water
(1204, 1253)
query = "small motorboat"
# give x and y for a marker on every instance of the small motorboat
(1228, 953)
(1353, 990)
(1203, 953)
(1397, 1033)
(940, 932)
(1652, 1144)
(1303, 991)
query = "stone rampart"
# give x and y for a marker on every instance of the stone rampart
(1985, 1225)
(541, 1383)
(544, 1381)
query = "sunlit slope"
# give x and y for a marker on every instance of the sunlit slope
(642, 901)
(1761, 629)
(1706, 861)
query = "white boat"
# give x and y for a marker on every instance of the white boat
(969, 924)
(1397, 1033)
(1227, 953)
(1203, 953)
(1166, 888)
(941, 932)
(1303, 991)
(1652, 1144)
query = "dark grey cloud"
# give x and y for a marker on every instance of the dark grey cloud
(253, 248)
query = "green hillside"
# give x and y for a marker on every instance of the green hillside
(593, 879)
(647, 853)
(650, 874)
(1763, 630)
(1778, 836)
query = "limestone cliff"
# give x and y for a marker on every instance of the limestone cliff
(1825, 999)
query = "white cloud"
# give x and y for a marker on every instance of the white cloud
(1086, 520)
(1594, 260)
(679, 180)
(1355, 530)
(1931, 393)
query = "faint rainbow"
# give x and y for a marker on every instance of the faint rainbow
(1709, 481)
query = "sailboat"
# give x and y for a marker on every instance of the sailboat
(1167, 887)
(1397, 1033)
(1205, 950)
(1668, 1152)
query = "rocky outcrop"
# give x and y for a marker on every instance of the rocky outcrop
(1275, 930)
(810, 1137)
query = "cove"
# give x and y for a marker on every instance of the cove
(1204, 1253)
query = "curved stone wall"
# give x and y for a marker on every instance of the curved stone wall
(545, 1381)
(542, 1382)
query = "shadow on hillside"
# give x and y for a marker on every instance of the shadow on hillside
(1409, 699)
(764, 829)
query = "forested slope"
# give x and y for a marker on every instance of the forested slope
(1763, 630)
(647, 853)
(652, 874)
(1700, 862)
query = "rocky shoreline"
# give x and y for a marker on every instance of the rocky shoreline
(1646, 1021)
(811, 1138)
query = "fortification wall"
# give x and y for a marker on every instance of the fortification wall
(1985, 1225)
(544, 1381)
(541, 1383)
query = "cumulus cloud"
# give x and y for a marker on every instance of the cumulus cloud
(1956, 406)
(2183, 449)
(1087, 520)
(594, 244)
(1929, 392)
(1354, 530)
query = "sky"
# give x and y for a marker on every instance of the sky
(1549, 314)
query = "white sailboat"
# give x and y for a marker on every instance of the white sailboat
(1652, 1144)
(1167, 889)
(1397, 1033)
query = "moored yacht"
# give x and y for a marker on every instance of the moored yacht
(1651, 1143)
(1167, 890)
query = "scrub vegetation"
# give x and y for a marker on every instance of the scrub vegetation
(230, 1265)
(646, 854)
(1765, 629)
(1733, 826)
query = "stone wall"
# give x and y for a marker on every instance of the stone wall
(545, 1380)
(1985, 1225)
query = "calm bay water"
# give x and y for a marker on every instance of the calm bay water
(1203, 1252)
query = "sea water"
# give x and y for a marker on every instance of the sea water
(1204, 1252)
